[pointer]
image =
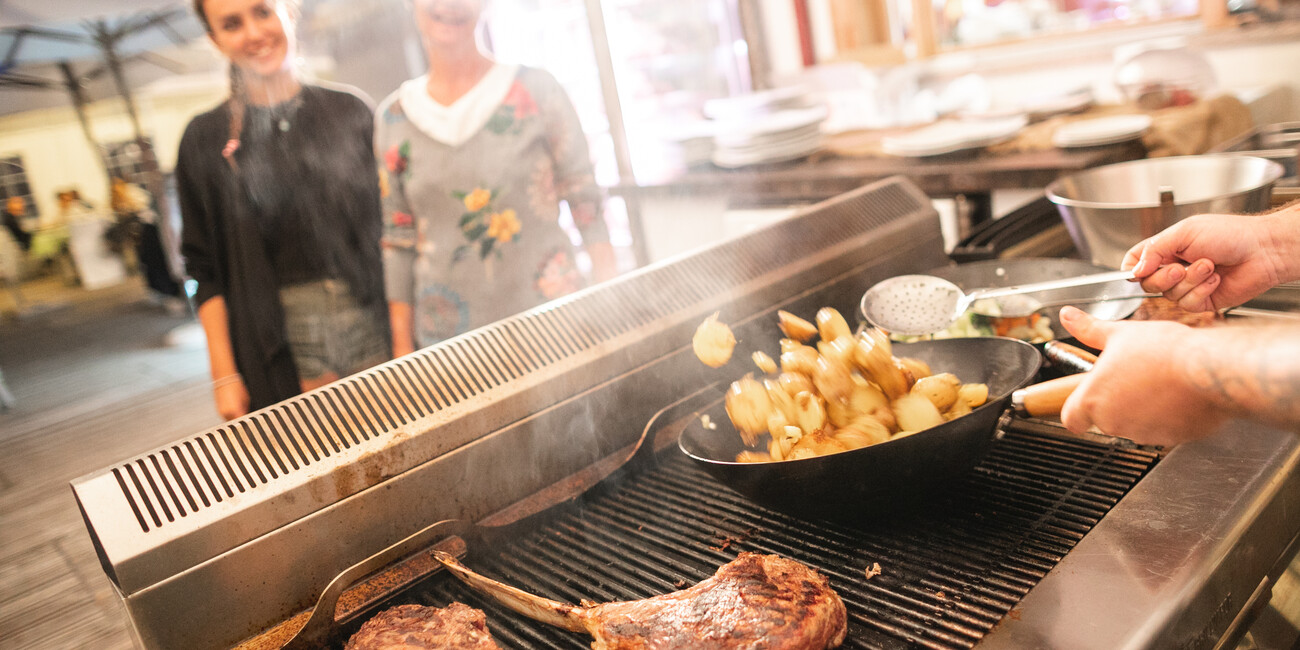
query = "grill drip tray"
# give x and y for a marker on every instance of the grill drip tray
(947, 576)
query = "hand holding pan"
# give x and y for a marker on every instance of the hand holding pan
(1047, 398)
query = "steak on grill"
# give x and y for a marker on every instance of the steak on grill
(410, 627)
(754, 601)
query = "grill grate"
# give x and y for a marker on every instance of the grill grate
(947, 576)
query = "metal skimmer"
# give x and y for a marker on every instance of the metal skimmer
(947, 576)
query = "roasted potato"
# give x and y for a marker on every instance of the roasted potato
(833, 380)
(917, 367)
(847, 392)
(795, 327)
(873, 357)
(831, 325)
(819, 443)
(802, 359)
(959, 408)
(748, 406)
(713, 342)
(810, 412)
(914, 413)
(940, 389)
(973, 394)
(794, 383)
(862, 432)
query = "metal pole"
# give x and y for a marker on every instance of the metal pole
(750, 17)
(617, 127)
(78, 95)
(152, 171)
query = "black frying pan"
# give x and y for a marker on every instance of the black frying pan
(886, 476)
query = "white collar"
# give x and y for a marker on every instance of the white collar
(455, 124)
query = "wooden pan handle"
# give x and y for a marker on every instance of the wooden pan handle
(1047, 398)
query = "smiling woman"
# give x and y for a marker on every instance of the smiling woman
(281, 214)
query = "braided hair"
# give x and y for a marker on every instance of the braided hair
(238, 106)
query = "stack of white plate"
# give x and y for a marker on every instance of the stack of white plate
(1036, 107)
(776, 137)
(1101, 131)
(765, 102)
(950, 136)
(690, 141)
(764, 127)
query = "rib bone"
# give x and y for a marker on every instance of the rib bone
(753, 601)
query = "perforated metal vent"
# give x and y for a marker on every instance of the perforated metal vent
(170, 484)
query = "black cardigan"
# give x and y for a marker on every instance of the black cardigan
(316, 183)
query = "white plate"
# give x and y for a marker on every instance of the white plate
(732, 159)
(1041, 107)
(754, 104)
(742, 140)
(1103, 130)
(787, 120)
(950, 136)
(776, 148)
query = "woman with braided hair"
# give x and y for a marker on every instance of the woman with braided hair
(281, 212)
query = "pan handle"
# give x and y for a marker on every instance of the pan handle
(319, 628)
(1068, 358)
(1047, 398)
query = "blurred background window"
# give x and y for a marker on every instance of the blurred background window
(975, 22)
(125, 161)
(13, 182)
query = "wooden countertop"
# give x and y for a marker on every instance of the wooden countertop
(823, 176)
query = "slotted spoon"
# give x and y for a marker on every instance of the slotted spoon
(924, 304)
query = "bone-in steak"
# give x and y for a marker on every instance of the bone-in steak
(754, 601)
(411, 627)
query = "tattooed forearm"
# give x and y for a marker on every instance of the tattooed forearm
(1250, 371)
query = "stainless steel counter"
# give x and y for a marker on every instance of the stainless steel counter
(1176, 562)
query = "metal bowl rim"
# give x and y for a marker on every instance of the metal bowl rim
(1273, 172)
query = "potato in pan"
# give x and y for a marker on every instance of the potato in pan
(844, 391)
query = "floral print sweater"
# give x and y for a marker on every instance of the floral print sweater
(472, 231)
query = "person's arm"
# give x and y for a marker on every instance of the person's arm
(575, 179)
(400, 233)
(1232, 258)
(368, 230)
(198, 247)
(227, 385)
(1160, 382)
(399, 317)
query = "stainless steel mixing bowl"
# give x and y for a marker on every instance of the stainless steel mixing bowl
(1104, 207)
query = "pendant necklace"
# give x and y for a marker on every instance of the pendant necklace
(286, 111)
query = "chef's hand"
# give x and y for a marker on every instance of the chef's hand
(231, 396)
(1139, 388)
(1230, 258)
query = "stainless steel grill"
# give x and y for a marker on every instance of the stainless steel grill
(947, 577)
(359, 458)
(227, 534)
